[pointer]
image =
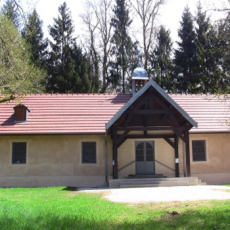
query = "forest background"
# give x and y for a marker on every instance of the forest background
(116, 36)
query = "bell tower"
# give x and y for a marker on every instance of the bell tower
(139, 78)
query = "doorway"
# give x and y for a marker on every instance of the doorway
(145, 157)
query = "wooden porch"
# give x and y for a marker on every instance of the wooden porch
(151, 114)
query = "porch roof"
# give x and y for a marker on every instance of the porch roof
(136, 96)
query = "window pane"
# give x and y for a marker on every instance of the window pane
(149, 152)
(199, 150)
(89, 152)
(140, 155)
(140, 152)
(18, 152)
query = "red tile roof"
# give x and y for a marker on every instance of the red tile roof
(211, 112)
(62, 113)
(88, 113)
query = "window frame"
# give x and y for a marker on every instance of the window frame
(205, 151)
(13, 161)
(82, 153)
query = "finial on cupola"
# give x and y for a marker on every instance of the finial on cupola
(139, 78)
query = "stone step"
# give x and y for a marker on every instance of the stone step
(154, 182)
(146, 176)
(164, 184)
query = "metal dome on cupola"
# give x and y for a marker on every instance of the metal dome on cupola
(139, 78)
(140, 73)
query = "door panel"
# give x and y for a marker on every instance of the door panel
(145, 164)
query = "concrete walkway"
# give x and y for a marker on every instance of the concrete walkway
(164, 194)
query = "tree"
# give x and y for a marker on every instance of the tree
(17, 75)
(10, 10)
(33, 35)
(205, 73)
(161, 59)
(103, 16)
(147, 10)
(185, 59)
(68, 68)
(122, 45)
(92, 47)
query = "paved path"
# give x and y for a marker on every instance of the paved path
(164, 194)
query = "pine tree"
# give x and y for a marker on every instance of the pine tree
(210, 72)
(9, 10)
(161, 61)
(33, 35)
(68, 68)
(223, 53)
(122, 48)
(185, 60)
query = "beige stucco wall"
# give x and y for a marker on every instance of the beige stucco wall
(216, 170)
(52, 161)
(164, 156)
(56, 160)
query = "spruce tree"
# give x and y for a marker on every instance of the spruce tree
(68, 68)
(33, 35)
(210, 71)
(185, 60)
(206, 65)
(122, 46)
(222, 54)
(161, 60)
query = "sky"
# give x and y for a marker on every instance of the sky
(170, 14)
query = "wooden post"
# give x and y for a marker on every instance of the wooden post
(187, 154)
(177, 171)
(115, 162)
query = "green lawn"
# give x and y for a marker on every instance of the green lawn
(61, 208)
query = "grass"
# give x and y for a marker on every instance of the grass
(61, 208)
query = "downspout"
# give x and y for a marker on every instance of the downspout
(106, 158)
(184, 160)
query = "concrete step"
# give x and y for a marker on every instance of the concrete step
(154, 182)
(165, 184)
(146, 176)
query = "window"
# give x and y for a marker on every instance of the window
(199, 150)
(18, 152)
(89, 152)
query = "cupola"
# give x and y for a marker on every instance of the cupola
(20, 113)
(139, 78)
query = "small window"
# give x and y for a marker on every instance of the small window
(19, 153)
(89, 152)
(199, 150)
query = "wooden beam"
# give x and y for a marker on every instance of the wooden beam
(170, 142)
(122, 138)
(153, 128)
(153, 111)
(133, 111)
(187, 153)
(177, 172)
(150, 136)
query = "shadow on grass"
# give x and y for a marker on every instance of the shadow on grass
(69, 188)
(188, 220)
